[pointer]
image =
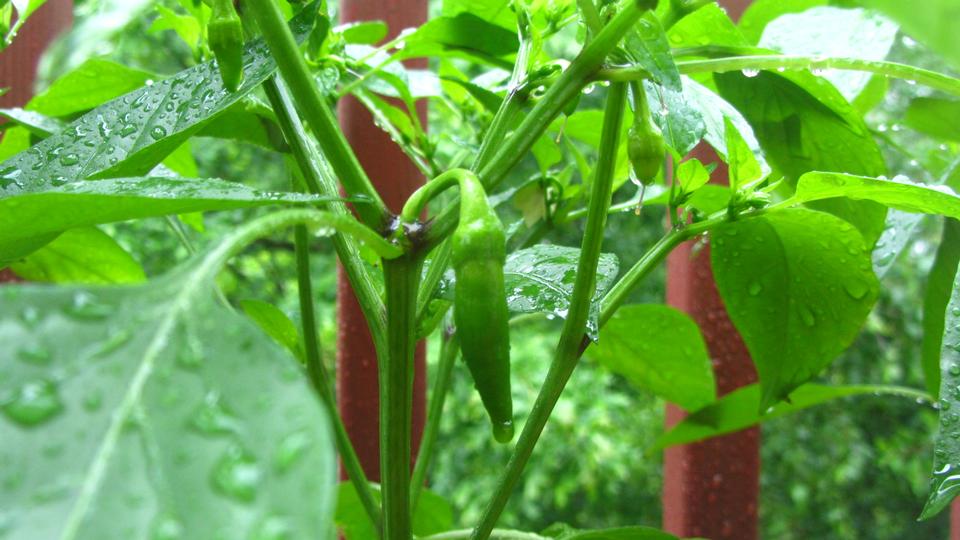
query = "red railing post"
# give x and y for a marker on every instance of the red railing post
(18, 62)
(711, 488)
(395, 177)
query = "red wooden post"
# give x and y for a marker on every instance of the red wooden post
(395, 177)
(711, 488)
(18, 62)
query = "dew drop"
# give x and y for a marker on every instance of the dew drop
(237, 475)
(750, 72)
(290, 449)
(755, 288)
(806, 315)
(857, 289)
(167, 527)
(33, 403)
(158, 132)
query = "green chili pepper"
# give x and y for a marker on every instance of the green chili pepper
(225, 35)
(645, 146)
(480, 304)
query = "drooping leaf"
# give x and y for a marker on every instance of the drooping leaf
(680, 121)
(433, 514)
(740, 409)
(36, 218)
(131, 134)
(939, 285)
(945, 482)
(803, 125)
(936, 25)
(798, 285)
(659, 349)
(86, 256)
(835, 32)
(936, 117)
(155, 429)
(274, 322)
(540, 279)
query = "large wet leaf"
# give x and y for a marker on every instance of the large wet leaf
(85, 255)
(804, 124)
(154, 412)
(540, 280)
(131, 134)
(740, 409)
(30, 220)
(936, 25)
(798, 285)
(936, 296)
(898, 193)
(945, 482)
(830, 31)
(658, 349)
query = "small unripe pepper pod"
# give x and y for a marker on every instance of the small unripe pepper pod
(480, 305)
(225, 35)
(645, 146)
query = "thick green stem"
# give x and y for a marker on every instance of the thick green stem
(449, 347)
(568, 85)
(569, 347)
(322, 381)
(401, 280)
(935, 80)
(315, 109)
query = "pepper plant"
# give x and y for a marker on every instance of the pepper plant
(156, 409)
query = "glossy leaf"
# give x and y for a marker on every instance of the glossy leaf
(897, 193)
(24, 9)
(897, 233)
(658, 349)
(803, 125)
(740, 409)
(85, 256)
(945, 481)
(936, 117)
(798, 285)
(647, 46)
(433, 514)
(152, 427)
(937, 24)
(830, 31)
(708, 25)
(274, 322)
(540, 280)
(130, 135)
(759, 14)
(41, 215)
(680, 121)
(39, 125)
(939, 285)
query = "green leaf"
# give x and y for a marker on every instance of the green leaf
(130, 135)
(186, 26)
(740, 409)
(39, 125)
(274, 322)
(708, 25)
(43, 214)
(898, 193)
(463, 33)
(803, 125)
(744, 167)
(760, 12)
(936, 25)
(945, 483)
(24, 8)
(646, 45)
(540, 280)
(498, 12)
(363, 32)
(433, 514)
(86, 256)
(658, 349)
(93, 83)
(682, 124)
(139, 396)
(939, 286)
(834, 32)
(562, 531)
(798, 285)
(715, 112)
(936, 117)
(692, 175)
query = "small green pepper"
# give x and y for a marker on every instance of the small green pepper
(480, 305)
(225, 35)
(645, 146)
